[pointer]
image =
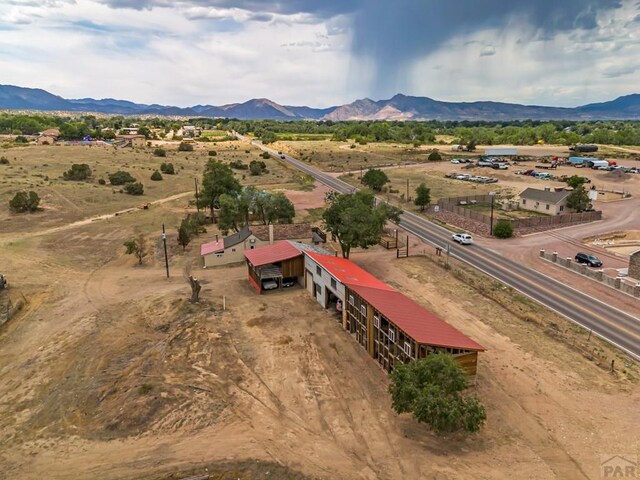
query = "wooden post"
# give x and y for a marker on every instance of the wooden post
(407, 190)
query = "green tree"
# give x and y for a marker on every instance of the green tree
(375, 179)
(138, 247)
(217, 180)
(431, 389)
(257, 167)
(77, 172)
(144, 131)
(231, 214)
(156, 176)
(356, 221)
(135, 188)
(434, 157)
(578, 200)
(120, 178)
(167, 168)
(24, 202)
(574, 181)
(503, 229)
(423, 196)
(471, 146)
(183, 236)
(279, 209)
(160, 152)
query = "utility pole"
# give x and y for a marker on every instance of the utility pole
(407, 190)
(195, 181)
(166, 257)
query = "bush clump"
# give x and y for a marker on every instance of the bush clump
(167, 168)
(4, 161)
(503, 229)
(213, 153)
(24, 202)
(134, 188)
(77, 172)
(121, 178)
(185, 147)
(160, 152)
(156, 176)
(257, 167)
(238, 165)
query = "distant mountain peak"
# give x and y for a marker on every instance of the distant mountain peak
(398, 107)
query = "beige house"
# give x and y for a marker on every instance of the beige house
(231, 249)
(48, 137)
(545, 201)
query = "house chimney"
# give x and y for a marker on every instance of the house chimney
(270, 233)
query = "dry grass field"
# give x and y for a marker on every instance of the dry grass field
(108, 372)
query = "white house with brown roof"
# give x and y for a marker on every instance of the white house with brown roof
(231, 249)
(546, 201)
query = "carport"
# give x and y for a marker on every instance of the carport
(272, 263)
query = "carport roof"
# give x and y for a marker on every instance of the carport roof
(277, 252)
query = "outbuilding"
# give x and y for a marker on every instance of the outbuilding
(545, 201)
(273, 263)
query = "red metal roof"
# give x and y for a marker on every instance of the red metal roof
(419, 323)
(212, 247)
(277, 252)
(347, 272)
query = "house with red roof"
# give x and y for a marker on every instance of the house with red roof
(392, 327)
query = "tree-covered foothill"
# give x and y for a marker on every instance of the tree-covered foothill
(77, 172)
(356, 221)
(375, 179)
(217, 180)
(24, 202)
(432, 389)
(121, 178)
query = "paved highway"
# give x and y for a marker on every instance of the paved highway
(620, 328)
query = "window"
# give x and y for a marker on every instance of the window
(562, 208)
(333, 283)
(376, 322)
(219, 254)
(547, 206)
(318, 271)
(233, 249)
(524, 201)
(392, 335)
(363, 310)
(351, 299)
(407, 348)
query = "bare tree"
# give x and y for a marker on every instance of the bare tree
(195, 289)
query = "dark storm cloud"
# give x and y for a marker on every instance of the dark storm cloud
(395, 34)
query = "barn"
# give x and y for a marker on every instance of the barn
(273, 264)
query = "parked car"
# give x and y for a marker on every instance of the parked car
(455, 160)
(269, 284)
(462, 238)
(590, 260)
(288, 282)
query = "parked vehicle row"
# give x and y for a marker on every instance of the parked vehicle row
(535, 174)
(471, 178)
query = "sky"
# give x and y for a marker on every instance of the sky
(321, 53)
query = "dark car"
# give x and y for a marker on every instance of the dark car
(288, 282)
(590, 260)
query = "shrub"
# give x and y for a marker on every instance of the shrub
(160, 152)
(434, 157)
(185, 147)
(265, 155)
(120, 178)
(167, 168)
(257, 167)
(24, 202)
(156, 176)
(21, 139)
(145, 388)
(503, 229)
(238, 165)
(134, 188)
(213, 153)
(4, 161)
(102, 181)
(77, 172)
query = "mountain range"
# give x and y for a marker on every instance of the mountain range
(399, 107)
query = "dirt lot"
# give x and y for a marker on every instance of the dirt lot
(108, 372)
